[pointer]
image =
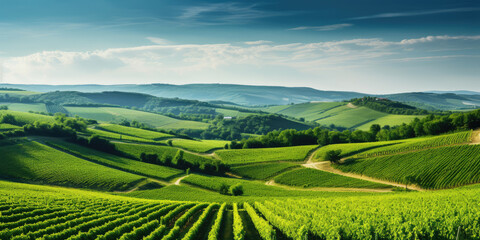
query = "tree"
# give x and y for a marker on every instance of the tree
(236, 190)
(8, 118)
(409, 179)
(333, 156)
(224, 189)
(178, 159)
(169, 142)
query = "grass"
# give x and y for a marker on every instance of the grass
(23, 93)
(25, 107)
(349, 149)
(111, 114)
(135, 150)
(307, 177)
(443, 167)
(117, 136)
(32, 161)
(309, 111)
(7, 127)
(262, 170)
(232, 113)
(391, 120)
(133, 166)
(200, 146)
(25, 117)
(243, 156)
(134, 132)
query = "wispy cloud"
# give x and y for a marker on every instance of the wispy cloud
(202, 62)
(323, 28)
(416, 13)
(259, 42)
(156, 40)
(225, 13)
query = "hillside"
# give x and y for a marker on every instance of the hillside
(341, 114)
(268, 95)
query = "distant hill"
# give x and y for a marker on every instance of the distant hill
(268, 95)
(239, 94)
(463, 92)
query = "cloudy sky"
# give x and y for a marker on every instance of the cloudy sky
(376, 46)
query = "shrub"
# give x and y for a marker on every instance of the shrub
(236, 190)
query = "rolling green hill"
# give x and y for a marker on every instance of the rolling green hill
(341, 115)
(31, 161)
(114, 114)
(243, 156)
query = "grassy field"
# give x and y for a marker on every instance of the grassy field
(232, 113)
(32, 161)
(8, 127)
(242, 156)
(262, 170)
(136, 149)
(25, 107)
(198, 145)
(339, 114)
(135, 132)
(307, 177)
(21, 93)
(133, 166)
(28, 117)
(443, 167)
(117, 136)
(110, 114)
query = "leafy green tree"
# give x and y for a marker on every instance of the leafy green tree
(224, 188)
(333, 156)
(236, 190)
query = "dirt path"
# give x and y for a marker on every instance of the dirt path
(179, 180)
(325, 189)
(326, 166)
(475, 137)
(350, 105)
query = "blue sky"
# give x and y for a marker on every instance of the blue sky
(369, 46)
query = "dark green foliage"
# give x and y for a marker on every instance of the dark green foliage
(388, 106)
(236, 190)
(224, 189)
(333, 156)
(3, 107)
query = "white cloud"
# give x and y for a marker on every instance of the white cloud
(156, 40)
(259, 42)
(323, 28)
(187, 63)
(416, 13)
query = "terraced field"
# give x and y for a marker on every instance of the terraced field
(243, 156)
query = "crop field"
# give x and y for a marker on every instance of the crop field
(25, 107)
(391, 120)
(22, 93)
(198, 145)
(232, 113)
(434, 215)
(135, 150)
(307, 177)
(372, 149)
(419, 144)
(26, 117)
(262, 170)
(134, 132)
(111, 114)
(243, 156)
(309, 111)
(437, 168)
(117, 136)
(8, 127)
(32, 161)
(125, 164)
(41, 212)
